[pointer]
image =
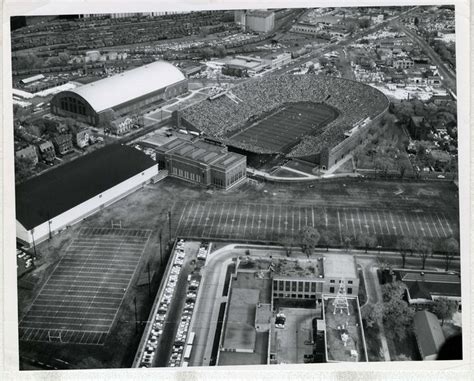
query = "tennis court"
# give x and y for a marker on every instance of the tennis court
(80, 300)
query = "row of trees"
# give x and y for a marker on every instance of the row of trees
(311, 237)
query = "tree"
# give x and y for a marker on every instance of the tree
(444, 308)
(309, 239)
(393, 290)
(370, 315)
(424, 248)
(288, 246)
(366, 241)
(323, 61)
(404, 246)
(364, 23)
(396, 314)
(450, 249)
(403, 166)
(327, 238)
(23, 168)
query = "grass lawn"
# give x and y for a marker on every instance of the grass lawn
(347, 167)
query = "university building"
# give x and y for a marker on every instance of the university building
(202, 163)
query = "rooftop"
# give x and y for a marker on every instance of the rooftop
(201, 151)
(239, 327)
(298, 268)
(428, 332)
(60, 189)
(340, 326)
(120, 88)
(339, 266)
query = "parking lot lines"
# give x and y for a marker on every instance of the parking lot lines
(80, 300)
(274, 222)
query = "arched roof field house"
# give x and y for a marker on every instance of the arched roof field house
(121, 92)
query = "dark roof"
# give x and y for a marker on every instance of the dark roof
(429, 334)
(54, 192)
(419, 291)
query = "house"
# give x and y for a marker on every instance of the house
(403, 63)
(418, 128)
(81, 138)
(63, 143)
(121, 126)
(46, 149)
(428, 333)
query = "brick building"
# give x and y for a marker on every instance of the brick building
(202, 163)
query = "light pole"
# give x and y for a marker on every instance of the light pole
(169, 222)
(160, 236)
(33, 237)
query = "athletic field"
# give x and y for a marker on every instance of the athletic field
(80, 300)
(274, 222)
(282, 129)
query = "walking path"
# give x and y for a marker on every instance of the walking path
(374, 295)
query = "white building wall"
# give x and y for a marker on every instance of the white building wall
(87, 208)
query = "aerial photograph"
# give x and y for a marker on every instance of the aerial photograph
(236, 187)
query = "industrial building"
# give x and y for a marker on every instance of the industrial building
(65, 195)
(202, 163)
(260, 21)
(121, 93)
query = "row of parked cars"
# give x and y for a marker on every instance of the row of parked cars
(177, 353)
(24, 259)
(163, 307)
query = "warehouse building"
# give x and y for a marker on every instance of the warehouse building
(120, 94)
(202, 163)
(65, 195)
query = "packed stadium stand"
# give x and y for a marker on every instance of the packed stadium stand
(358, 105)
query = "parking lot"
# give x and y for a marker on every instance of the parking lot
(272, 222)
(174, 307)
(80, 300)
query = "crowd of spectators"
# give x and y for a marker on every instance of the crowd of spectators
(354, 101)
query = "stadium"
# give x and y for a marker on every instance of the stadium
(316, 118)
(121, 93)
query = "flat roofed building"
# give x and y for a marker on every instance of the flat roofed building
(310, 279)
(339, 268)
(202, 163)
(240, 332)
(65, 195)
(261, 21)
(121, 93)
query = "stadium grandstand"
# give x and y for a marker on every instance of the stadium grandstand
(121, 93)
(65, 195)
(341, 115)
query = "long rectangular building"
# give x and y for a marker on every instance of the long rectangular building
(67, 194)
(202, 163)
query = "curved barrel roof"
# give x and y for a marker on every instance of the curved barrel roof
(120, 88)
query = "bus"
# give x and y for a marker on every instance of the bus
(191, 339)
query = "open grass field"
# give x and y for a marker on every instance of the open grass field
(275, 222)
(80, 300)
(282, 129)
